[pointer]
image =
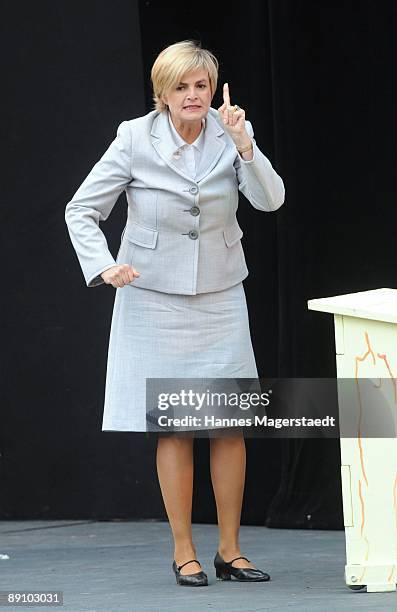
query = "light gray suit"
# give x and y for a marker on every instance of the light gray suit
(181, 234)
(186, 315)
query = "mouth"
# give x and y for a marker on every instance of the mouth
(192, 107)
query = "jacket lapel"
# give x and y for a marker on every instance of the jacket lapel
(213, 145)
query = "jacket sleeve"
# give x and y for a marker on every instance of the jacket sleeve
(257, 179)
(94, 201)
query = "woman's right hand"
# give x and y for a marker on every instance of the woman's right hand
(119, 275)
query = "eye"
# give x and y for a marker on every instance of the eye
(202, 85)
(180, 87)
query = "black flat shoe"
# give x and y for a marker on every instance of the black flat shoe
(225, 570)
(197, 579)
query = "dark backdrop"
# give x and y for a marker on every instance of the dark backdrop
(316, 80)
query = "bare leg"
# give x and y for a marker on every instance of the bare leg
(228, 462)
(175, 474)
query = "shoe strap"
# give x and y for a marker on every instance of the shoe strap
(230, 562)
(183, 564)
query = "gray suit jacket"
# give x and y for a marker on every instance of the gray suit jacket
(181, 234)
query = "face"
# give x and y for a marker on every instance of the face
(190, 99)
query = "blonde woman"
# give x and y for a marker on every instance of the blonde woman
(180, 309)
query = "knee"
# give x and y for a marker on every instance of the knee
(228, 437)
(177, 441)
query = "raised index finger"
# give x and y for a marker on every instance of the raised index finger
(226, 96)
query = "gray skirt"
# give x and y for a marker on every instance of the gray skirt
(164, 335)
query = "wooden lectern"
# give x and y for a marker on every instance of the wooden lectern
(366, 359)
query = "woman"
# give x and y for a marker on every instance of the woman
(180, 309)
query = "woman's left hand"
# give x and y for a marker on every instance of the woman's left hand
(234, 122)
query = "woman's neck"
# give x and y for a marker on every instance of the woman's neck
(188, 130)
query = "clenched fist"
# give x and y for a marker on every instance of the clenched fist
(119, 275)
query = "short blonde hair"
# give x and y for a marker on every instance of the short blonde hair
(175, 61)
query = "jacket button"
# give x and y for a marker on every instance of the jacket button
(193, 234)
(193, 189)
(195, 211)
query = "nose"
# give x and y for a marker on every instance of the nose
(191, 93)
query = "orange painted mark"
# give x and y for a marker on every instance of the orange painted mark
(360, 408)
(360, 447)
(366, 354)
(362, 506)
(384, 358)
(358, 359)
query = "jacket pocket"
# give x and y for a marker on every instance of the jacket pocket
(141, 235)
(232, 234)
